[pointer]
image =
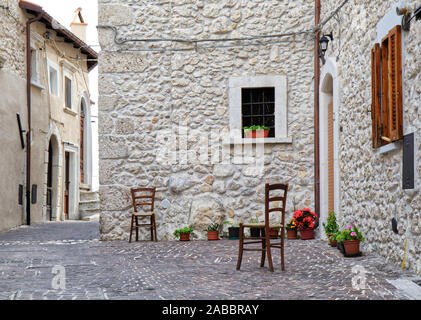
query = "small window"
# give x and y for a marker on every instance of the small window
(68, 92)
(258, 108)
(53, 79)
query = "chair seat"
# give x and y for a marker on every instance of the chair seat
(140, 214)
(261, 225)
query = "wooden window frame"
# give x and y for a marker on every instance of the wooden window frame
(386, 79)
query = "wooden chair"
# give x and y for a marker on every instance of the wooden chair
(140, 197)
(264, 238)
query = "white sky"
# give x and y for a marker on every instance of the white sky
(63, 11)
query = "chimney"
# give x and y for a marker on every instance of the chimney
(79, 28)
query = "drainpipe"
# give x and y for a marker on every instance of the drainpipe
(28, 101)
(316, 115)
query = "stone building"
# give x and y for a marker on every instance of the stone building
(60, 135)
(376, 173)
(187, 98)
(153, 92)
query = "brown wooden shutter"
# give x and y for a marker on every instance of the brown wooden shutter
(395, 84)
(376, 96)
(385, 90)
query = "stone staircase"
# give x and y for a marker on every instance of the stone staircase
(88, 204)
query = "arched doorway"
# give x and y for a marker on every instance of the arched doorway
(52, 195)
(329, 141)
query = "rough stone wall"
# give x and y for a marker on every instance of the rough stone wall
(12, 82)
(371, 183)
(144, 93)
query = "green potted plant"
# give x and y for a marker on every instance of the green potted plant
(233, 231)
(351, 240)
(292, 230)
(254, 232)
(256, 132)
(331, 227)
(340, 237)
(213, 231)
(183, 233)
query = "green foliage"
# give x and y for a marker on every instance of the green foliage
(331, 226)
(292, 225)
(213, 227)
(350, 233)
(178, 232)
(255, 128)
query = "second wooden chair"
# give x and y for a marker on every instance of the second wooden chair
(264, 239)
(143, 197)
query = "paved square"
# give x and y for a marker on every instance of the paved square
(66, 261)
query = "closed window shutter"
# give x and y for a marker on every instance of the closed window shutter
(376, 96)
(395, 84)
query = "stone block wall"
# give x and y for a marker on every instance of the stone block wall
(371, 181)
(145, 92)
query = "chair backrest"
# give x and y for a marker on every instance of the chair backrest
(143, 197)
(279, 198)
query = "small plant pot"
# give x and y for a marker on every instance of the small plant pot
(233, 233)
(292, 234)
(254, 232)
(185, 236)
(273, 233)
(213, 235)
(351, 247)
(307, 234)
(256, 133)
(333, 243)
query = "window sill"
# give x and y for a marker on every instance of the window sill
(37, 85)
(69, 111)
(279, 140)
(389, 147)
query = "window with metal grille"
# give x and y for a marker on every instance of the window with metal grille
(258, 108)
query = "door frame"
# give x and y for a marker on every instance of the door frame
(74, 181)
(329, 92)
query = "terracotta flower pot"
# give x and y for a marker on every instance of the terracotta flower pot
(213, 235)
(333, 243)
(273, 233)
(307, 234)
(185, 236)
(352, 247)
(292, 234)
(257, 133)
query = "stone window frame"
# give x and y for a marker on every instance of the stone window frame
(68, 71)
(236, 84)
(55, 67)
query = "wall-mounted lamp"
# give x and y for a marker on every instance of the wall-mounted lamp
(406, 16)
(323, 45)
(2, 62)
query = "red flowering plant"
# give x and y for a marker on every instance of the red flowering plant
(304, 218)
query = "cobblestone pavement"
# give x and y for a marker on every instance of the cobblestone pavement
(33, 261)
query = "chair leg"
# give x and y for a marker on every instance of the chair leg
(131, 230)
(267, 238)
(137, 229)
(240, 247)
(263, 258)
(154, 228)
(282, 249)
